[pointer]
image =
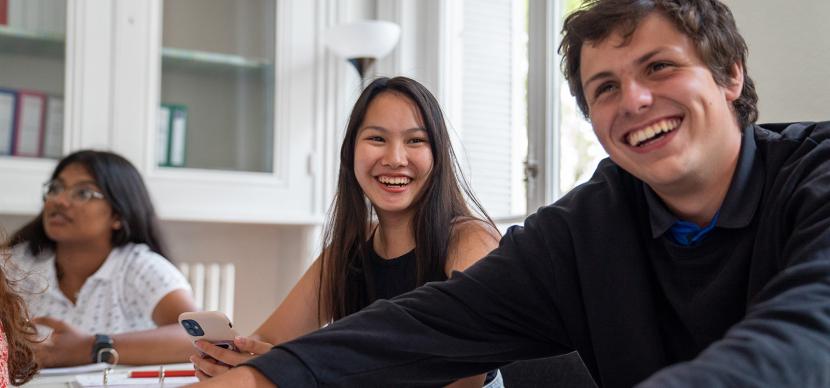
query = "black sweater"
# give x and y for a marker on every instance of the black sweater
(749, 306)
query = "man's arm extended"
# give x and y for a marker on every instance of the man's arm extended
(497, 311)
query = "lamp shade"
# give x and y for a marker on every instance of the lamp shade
(363, 39)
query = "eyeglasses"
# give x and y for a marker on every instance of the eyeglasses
(77, 194)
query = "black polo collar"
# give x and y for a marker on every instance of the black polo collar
(741, 200)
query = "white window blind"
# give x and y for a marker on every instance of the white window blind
(493, 111)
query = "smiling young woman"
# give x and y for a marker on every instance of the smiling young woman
(399, 219)
(392, 156)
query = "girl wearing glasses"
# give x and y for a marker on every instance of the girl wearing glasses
(95, 271)
(399, 220)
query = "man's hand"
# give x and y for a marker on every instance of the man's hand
(218, 360)
(66, 346)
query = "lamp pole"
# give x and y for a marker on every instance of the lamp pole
(362, 43)
(362, 64)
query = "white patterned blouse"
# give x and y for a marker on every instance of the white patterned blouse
(120, 297)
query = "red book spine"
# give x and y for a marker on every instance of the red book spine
(4, 12)
(19, 139)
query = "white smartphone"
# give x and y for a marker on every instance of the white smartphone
(211, 326)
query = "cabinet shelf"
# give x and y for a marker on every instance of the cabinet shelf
(192, 59)
(16, 41)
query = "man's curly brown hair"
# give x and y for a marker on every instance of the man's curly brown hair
(709, 24)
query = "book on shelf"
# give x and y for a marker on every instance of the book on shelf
(171, 136)
(178, 136)
(8, 103)
(4, 12)
(162, 136)
(37, 16)
(53, 137)
(30, 121)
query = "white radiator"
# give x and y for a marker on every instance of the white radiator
(213, 285)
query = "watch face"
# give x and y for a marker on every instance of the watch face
(103, 350)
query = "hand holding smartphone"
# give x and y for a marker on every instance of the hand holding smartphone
(210, 326)
(216, 328)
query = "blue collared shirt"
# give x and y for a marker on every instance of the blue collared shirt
(688, 233)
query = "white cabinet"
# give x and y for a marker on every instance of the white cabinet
(32, 60)
(118, 69)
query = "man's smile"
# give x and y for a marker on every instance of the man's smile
(642, 136)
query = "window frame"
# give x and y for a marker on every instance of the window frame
(544, 114)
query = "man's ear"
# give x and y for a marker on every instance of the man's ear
(736, 85)
(116, 223)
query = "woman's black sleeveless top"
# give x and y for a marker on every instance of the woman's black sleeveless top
(391, 277)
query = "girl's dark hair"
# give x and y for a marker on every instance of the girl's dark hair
(708, 23)
(19, 331)
(122, 187)
(345, 285)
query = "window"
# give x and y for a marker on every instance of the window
(563, 151)
(579, 150)
(493, 117)
(524, 141)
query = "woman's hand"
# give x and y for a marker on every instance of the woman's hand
(66, 346)
(218, 360)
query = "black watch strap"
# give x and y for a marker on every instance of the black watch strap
(102, 341)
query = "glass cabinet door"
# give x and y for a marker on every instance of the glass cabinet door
(217, 85)
(32, 59)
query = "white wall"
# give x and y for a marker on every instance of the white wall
(789, 53)
(269, 260)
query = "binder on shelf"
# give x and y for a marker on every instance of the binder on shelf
(37, 16)
(163, 136)
(4, 12)
(30, 120)
(53, 138)
(22, 14)
(178, 136)
(171, 141)
(14, 13)
(8, 105)
(52, 17)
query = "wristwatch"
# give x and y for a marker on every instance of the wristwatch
(102, 342)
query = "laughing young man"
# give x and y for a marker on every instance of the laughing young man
(697, 256)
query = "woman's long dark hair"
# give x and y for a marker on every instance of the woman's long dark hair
(344, 284)
(16, 325)
(125, 191)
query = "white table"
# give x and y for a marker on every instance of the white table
(68, 380)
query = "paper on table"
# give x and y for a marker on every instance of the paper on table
(74, 370)
(120, 379)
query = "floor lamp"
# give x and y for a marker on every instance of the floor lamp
(363, 42)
